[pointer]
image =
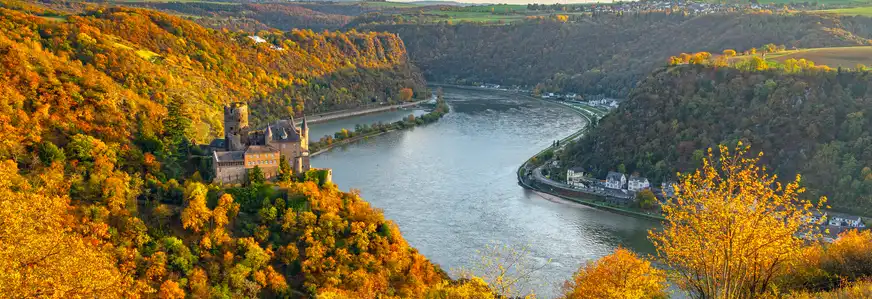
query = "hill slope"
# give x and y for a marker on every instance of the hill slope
(604, 53)
(159, 57)
(813, 123)
(99, 192)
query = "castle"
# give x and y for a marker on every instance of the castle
(243, 148)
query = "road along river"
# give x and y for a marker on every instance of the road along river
(451, 186)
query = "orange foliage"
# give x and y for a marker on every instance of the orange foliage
(621, 274)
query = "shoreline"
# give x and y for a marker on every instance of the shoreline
(358, 138)
(349, 140)
(589, 203)
(328, 116)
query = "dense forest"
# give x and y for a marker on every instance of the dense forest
(603, 54)
(251, 16)
(156, 57)
(812, 122)
(263, 16)
(102, 193)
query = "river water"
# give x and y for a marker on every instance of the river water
(451, 186)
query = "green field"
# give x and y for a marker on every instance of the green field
(167, 1)
(497, 8)
(854, 11)
(846, 57)
(391, 4)
(458, 16)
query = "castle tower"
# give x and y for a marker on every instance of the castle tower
(304, 135)
(298, 164)
(235, 126)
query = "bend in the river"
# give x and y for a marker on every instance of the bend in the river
(451, 186)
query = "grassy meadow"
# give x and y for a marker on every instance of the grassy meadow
(865, 11)
(847, 57)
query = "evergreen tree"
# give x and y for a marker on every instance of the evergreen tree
(255, 176)
(285, 171)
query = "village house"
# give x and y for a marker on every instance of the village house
(845, 221)
(637, 183)
(668, 188)
(575, 177)
(615, 180)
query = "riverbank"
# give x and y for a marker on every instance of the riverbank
(322, 117)
(364, 131)
(530, 184)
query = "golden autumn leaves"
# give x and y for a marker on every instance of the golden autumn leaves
(40, 255)
(730, 231)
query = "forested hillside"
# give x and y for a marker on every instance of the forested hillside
(102, 191)
(158, 57)
(605, 54)
(812, 122)
(251, 16)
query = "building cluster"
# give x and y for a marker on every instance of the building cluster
(838, 220)
(690, 7)
(575, 177)
(243, 148)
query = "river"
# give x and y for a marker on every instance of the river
(451, 186)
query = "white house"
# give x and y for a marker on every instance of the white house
(616, 180)
(575, 177)
(637, 183)
(844, 221)
(668, 188)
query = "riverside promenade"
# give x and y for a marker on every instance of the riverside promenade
(530, 176)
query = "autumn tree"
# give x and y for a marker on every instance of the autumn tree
(730, 227)
(41, 255)
(196, 214)
(472, 288)
(171, 290)
(621, 274)
(504, 268)
(224, 211)
(729, 52)
(406, 94)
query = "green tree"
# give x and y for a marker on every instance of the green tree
(176, 126)
(49, 152)
(256, 176)
(285, 171)
(646, 199)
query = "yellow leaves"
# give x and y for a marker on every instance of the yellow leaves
(504, 268)
(473, 288)
(171, 290)
(40, 255)
(731, 226)
(621, 274)
(196, 214)
(225, 206)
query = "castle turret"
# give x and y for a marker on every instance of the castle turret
(235, 126)
(304, 135)
(268, 135)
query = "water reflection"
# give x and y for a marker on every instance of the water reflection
(451, 186)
